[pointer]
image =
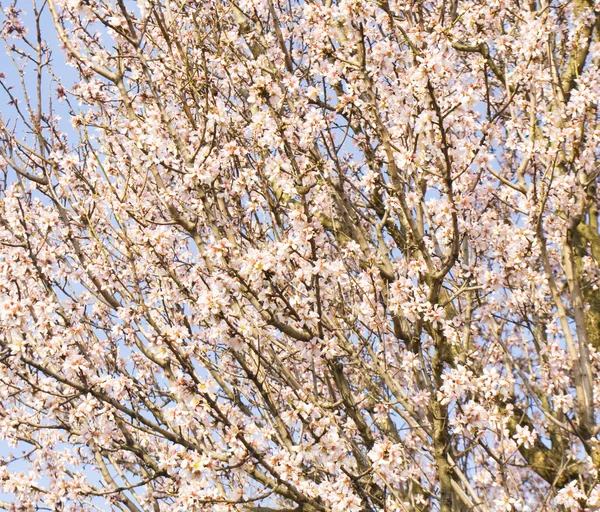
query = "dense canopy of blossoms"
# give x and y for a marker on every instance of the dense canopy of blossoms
(302, 255)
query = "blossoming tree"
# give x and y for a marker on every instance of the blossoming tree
(303, 255)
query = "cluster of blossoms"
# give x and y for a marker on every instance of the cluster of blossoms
(300, 256)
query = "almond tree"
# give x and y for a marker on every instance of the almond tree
(300, 255)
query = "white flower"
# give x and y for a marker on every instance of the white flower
(524, 436)
(570, 497)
